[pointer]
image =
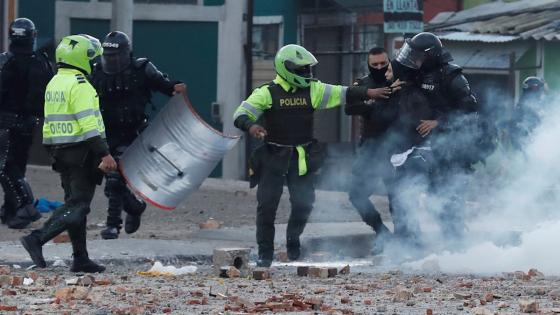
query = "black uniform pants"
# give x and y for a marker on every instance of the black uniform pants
(120, 198)
(449, 183)
(411, 180)
(369, 165)
(14, 155)
(78, 182)
(270, 188)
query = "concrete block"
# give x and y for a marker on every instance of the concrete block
(227, 257)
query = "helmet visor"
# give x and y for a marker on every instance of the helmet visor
(305, 71)
(411, 57)
(115, 62)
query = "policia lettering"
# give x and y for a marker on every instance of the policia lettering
(290, 153)
(293, 102)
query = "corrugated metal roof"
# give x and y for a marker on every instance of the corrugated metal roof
(487, 58)
(470, 37)
(526, 19)
(496, 8)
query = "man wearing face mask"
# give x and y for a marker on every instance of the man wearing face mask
(125, 86)
(459, 141)
(372, 160)
(24, 77)
(290, 153)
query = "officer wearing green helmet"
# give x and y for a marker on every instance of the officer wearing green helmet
(74, 135)
(289, 153)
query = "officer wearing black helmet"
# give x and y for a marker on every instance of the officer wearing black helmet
(125, 85)
(458, 140)
(525, 116)
(24, 76)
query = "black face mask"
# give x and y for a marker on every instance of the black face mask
(378, 75)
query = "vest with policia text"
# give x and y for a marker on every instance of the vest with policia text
(71, 109)
(289, 120)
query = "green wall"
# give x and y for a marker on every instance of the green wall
(529, 60)
(287, 8)
(41, 12)
(552, 65)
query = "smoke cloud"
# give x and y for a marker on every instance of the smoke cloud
(509, 202)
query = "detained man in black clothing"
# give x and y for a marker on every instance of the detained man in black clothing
(372, 160)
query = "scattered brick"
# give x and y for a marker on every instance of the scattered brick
(61, 238)
(261, 274)
(345, 270)
(303, 271)
(318, 272)
(528, 306)
(5, 270)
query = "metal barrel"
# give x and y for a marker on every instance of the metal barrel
(174, 155)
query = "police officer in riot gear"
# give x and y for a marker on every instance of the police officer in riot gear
(460, 140)
(525, 116)
(24, 76)
(290, 153)
(125, 86)
(376, 118)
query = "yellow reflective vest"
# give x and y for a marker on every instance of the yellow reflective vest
(71, 109)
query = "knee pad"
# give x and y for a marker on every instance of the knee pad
(75, 216)
(114, 184)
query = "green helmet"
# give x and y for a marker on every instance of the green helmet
(293, 63)
(78, 51)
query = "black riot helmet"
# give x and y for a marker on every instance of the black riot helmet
(117, 53)
(424, 48)
(534, 88)
(22, 35)
(534, 84)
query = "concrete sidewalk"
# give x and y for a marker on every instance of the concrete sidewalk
(351, 239)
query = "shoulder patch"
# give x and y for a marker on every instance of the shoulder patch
(81, 78)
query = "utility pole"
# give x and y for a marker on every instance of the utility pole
(122, 16)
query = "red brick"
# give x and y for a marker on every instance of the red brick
(367, 302)
(8, 292)
(166, 310)
(61, 238)
(17, 281)
(429, 311)
(345, 270)
(303, 271)
(8, 308)
(209, 224)
(318, 272)
(261, 274)
(5, 270)
(427, 290)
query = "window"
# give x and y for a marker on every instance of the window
(266, 38)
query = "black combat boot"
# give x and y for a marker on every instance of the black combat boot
(81, 262)
(110, 233)
(114, 223)
(134, 208)
(34, 247)
(23, 217)
(33, 243)
(293, 248)
(265, 259)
